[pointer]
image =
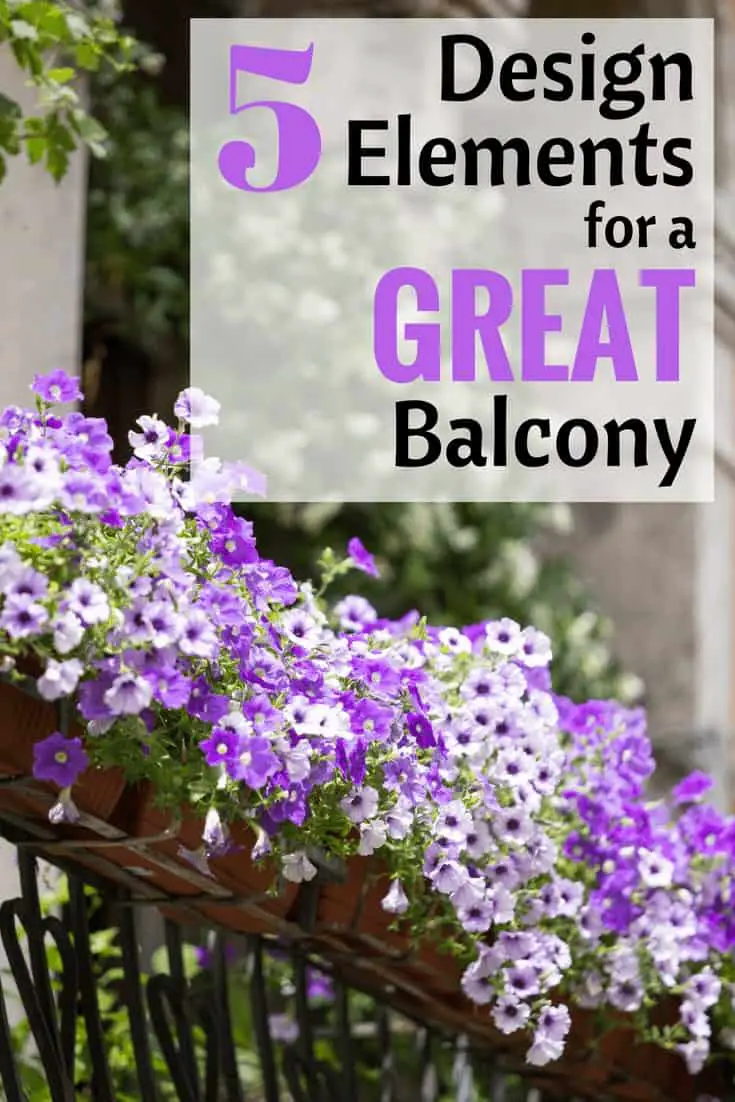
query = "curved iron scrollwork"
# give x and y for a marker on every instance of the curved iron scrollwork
(180, 1025)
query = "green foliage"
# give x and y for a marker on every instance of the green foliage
(107, 961)
(138, 208)
(55, 43)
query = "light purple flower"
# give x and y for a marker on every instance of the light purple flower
(128, 695)
(477, 916)
(395, 901)
(64, 810)
(216, 835)
(503, 637)
(68, 632)
(478, 981)
(198, 637)
(695, 1054)
(535, 648)
(448, 876)
(88, 601)
(22, 617)
(361, 805)
(297, 867)
(510, 1015)
(151, 442)
(197, 408)
(283, 1028)
(19, 491)
(355, 613)
(655, 869)
(373, 835)
(59, 678)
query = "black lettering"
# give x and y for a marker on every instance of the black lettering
(565, 89)
(641, 143)
(457, 456)
(615, 430)
(590, 149)
(500, 435)
(547, 158)
(356, 152)
(674, 453)
(564, 442)
(404, 432)
(686, 170)
(523, 455)
(659, 66)
(449, 91)
(438, 151)
(508, 77)
(497, 150)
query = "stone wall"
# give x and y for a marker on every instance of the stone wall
(41, 259)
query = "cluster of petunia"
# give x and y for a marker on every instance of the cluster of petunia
(515, 818)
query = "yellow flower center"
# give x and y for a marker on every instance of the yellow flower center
(61, 757)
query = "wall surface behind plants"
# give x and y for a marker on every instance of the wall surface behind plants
(41, 266)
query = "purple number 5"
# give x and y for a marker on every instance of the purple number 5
(299, 140)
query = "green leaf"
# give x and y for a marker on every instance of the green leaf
(160, 965)
(9, 109)
(36, 149)
(77, 25)
(88, 129)
(19, 28)
(87, 57)
(57, 162)
(61, 76)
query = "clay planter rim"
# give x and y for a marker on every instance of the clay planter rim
(161, 832)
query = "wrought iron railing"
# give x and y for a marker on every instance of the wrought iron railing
(186, 1043)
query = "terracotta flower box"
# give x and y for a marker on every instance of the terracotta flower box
(26, 720)
(163, 849)
(614, 1065)
(351, 924)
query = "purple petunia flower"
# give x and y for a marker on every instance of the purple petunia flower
(221, 748)
(319, 985)
(57, 387)
(204, 956)
(255, 762)
(421, 730)
(59, 759)
(692, 788)
(361, 558)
